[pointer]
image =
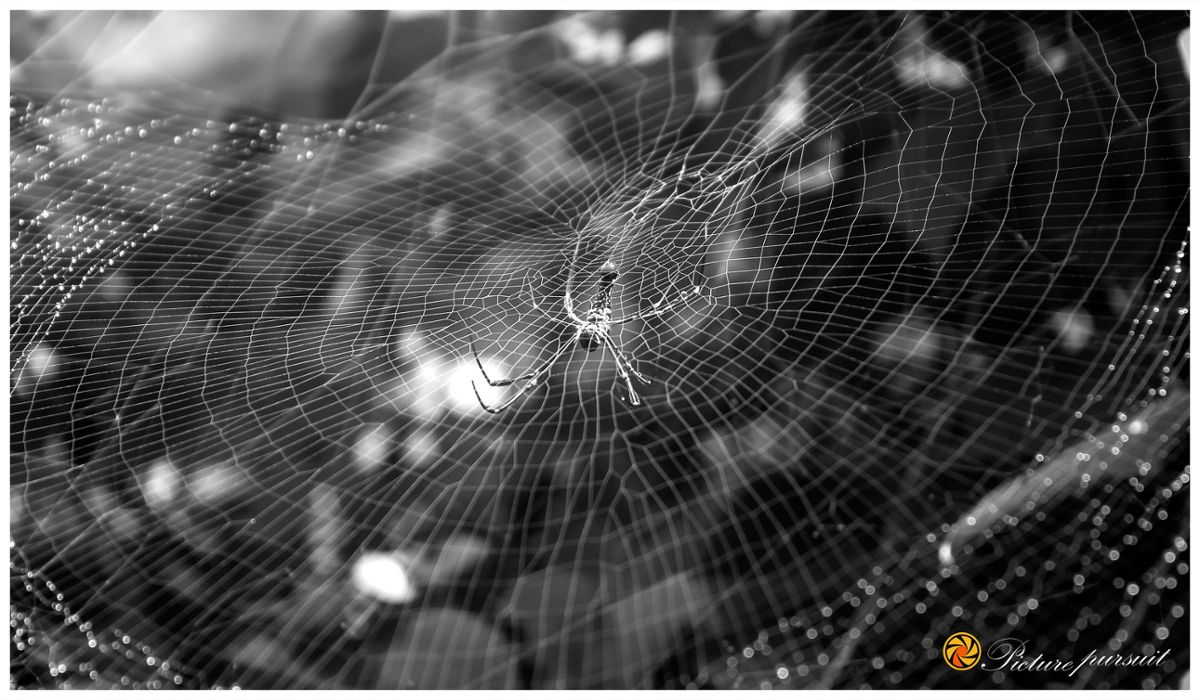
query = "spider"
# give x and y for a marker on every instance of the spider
(591, 334)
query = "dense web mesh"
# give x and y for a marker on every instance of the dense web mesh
(910, 291)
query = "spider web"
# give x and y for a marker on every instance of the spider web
(924, 370)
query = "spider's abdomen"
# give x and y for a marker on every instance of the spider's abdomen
(594, 329)
(589, 338)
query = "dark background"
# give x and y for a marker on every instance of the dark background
(220, 234)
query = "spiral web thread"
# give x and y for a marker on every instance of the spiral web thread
(924, 368)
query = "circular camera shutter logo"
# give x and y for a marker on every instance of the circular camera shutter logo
(961, 651)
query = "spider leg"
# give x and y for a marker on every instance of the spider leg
(623, 370)
(664, 306)
(501, 382)
(511, 400)
(568, 303)
(623, 359)
(634, 399)
(531, 379)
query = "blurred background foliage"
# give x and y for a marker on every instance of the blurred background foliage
(245, 451)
